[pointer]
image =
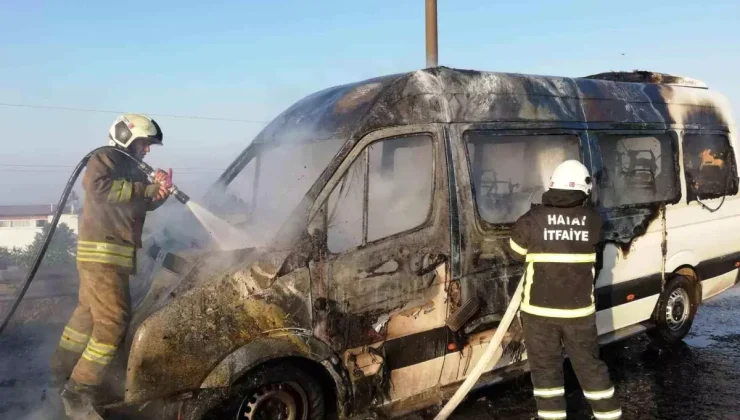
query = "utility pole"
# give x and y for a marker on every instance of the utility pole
(431, 25)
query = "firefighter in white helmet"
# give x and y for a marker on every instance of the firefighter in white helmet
(558, 241)
(117, 198)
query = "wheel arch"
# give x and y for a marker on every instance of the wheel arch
(681, 259)
(689, 272)
(685, 270)
(684, 263)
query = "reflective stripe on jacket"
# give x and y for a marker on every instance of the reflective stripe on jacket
(558, 244)
(113, 212)
(105, 253)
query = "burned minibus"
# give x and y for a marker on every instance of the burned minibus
(374, 269)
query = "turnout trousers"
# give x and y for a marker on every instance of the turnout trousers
(97, 326)
(544, 339)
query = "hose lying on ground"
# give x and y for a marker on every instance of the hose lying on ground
(53, 226)
(491, 355)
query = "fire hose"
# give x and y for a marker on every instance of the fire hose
(148, 170)
(490, 356)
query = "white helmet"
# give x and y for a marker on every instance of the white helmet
(571, 175)
(129, 127)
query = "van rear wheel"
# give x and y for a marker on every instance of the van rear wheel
(675, 312)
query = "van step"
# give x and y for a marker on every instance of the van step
(463, 314)
(484, 323)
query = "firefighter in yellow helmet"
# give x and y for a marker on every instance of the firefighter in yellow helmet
(117, 198)
(558, 240)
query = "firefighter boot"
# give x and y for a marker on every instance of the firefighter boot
(62, 364)
(78, 400)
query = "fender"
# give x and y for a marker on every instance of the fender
(279, 345)
(681, 258)
(177, 346)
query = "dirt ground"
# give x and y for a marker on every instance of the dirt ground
(698, 379)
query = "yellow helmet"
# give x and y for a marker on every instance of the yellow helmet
(129, 127)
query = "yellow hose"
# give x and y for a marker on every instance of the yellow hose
(492, 354)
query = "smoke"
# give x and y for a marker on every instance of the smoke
(399, 193)
(282, 176)
(345, 206)
(230, 219)
(48, 406)
(258, 201)
(262, 196)
(26, 348)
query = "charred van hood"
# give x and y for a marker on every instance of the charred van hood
(224, 302)
(164, 274)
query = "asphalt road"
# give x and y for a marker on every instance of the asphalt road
(698, 379)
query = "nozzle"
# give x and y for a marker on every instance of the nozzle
(179, 195)
(151, 173)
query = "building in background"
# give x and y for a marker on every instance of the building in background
(20, 224)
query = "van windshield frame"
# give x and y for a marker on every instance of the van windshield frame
(284, 173)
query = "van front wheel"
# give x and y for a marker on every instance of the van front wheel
(281, 391)
(675, 312)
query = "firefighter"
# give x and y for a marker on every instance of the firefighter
(117, 197)
(558, 241)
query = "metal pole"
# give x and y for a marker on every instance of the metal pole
(431, 13)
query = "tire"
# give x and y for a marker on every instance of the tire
(675, 311)
(281, 391)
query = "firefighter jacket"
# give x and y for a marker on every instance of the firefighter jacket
(117, 197)
(558, 242)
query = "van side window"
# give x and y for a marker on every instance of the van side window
(709, 166)
(399, 174)
(400, 194)
(344, 214)
(510, 172)
(638, 169)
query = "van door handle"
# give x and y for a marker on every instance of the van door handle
(491, 259)
(385, 268)
(427, 263)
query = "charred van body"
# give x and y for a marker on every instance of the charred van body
(381, 210)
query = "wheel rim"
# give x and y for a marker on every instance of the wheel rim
(677, 310)
(283, 401)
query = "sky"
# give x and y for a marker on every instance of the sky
(250, 60)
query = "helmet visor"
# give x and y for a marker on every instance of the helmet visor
(153, 140)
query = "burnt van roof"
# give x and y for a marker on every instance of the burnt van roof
(641, 76)
(443, 95)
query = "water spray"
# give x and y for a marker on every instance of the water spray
(148, 170)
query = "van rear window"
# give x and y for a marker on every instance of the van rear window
(510, 172)
(638, 169)
(709, 166)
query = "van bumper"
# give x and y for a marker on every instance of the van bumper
(190, 405)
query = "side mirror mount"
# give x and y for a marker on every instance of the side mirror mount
(317, 226)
